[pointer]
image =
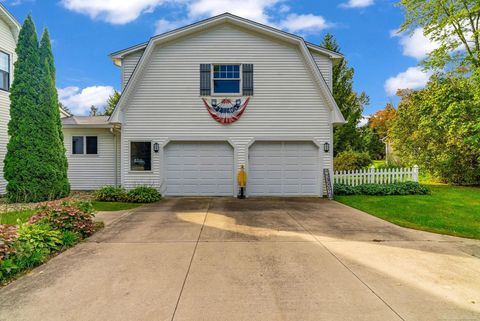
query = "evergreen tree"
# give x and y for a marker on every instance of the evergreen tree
(31, 164)
(93, 111)
(346, 136)
(50, 104)
(112, 103)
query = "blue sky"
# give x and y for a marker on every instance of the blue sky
(84, 32)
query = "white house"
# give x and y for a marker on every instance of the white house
(197, 103)
(202, 100)
(9, 30)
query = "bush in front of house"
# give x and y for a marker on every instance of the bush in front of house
(143, 194)
(73, 217)
(55, 226)
(405, 188)
(351, 160)
(111, 194)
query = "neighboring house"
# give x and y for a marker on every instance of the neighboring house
(9, 30)
(202, 100)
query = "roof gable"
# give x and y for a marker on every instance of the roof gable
(10, 20)
(236, 21)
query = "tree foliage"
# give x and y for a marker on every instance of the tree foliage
(112, 103)
(50, 105)
(351, 103)
(381, 120)
(35, 167)
(453, 25)
(438, 128)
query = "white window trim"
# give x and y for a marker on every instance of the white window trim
(132, 171)
(84, 153)
(212, 80)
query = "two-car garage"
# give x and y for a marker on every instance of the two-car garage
(275, 168)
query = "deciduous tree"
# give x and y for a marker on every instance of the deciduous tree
(438, 128)
(454, 25)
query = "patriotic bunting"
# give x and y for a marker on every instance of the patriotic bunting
(226, 112)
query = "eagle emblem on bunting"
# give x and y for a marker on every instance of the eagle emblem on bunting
(226, 111)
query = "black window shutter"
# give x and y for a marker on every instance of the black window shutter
(247, 83)
(205, 83)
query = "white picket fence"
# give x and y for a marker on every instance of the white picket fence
(376, 176)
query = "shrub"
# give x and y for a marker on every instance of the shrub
(351, 160)
(63, 216)
(40, 237)
(8, 235)
(69, 238)
(111, 194)
(406, 188)
(32, 247)
(144, 194)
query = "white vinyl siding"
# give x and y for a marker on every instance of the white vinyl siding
(90, 172)
(165, 104)
(199, 168)
(7, 45)
(128, 66)
(325, 65)
(284, 169)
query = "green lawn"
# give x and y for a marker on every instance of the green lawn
(12, 217)
(113, 206)
(448, 210)
(24, 215)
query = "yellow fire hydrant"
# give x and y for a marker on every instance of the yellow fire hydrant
(242, 181)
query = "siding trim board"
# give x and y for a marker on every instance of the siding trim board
(235, 21)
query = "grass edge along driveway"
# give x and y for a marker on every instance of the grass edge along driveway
(450, 210)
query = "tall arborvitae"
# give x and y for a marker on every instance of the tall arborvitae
(32, 161)
(50, 105)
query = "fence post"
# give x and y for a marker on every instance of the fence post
(372, 175)
(415, 173)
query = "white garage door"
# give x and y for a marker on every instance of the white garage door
(199, 168)
(284, 169)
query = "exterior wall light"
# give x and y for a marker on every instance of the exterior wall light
(326, 147)
(156, 147)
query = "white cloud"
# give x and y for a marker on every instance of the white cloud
(363, 121)
(250, 9)
(412, 78)
(79, 100)
(113, 11)
(164, 25)
(304, 23)
(122, 12)
(357, 4)
(415, 45)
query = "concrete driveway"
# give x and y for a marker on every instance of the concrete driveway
(258, 259)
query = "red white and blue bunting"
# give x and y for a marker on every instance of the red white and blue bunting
(226, 112)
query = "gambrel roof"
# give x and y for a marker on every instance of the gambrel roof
(303, 46)
(10, 20)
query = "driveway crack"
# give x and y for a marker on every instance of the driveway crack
(191, 260)
(342, 263)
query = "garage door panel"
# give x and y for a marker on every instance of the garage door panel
(199, 168)
(284, 168)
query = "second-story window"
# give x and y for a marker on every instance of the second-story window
(4, 71)
(226, 79)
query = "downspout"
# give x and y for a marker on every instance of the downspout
(112, 131)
